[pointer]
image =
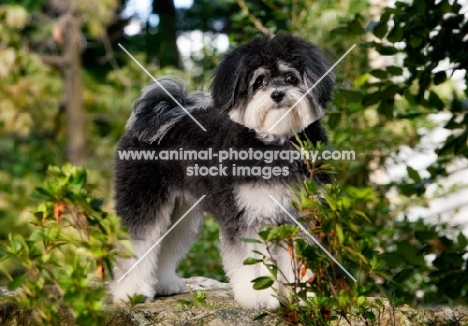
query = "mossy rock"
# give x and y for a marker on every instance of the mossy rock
(219, 309)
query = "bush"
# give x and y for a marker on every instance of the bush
(332, 216)
(69, 253)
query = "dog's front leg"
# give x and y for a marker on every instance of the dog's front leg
(234, 252)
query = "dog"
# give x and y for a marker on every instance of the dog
(253, 87)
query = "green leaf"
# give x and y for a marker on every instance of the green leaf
(79, 176)
(262, 282)
(360, 301)
(462, 240)
(42, 194)
(440, 77)
(410, 253)
(339, 233)
(261, 316)
(413, 174)
(449, 261)
(327, 225)
(379, 73)
(415, 41)
(396, 34)
(386, 50)
(355, 26)
(252, 261)
(380, 30)
(16, 282)
(136, 299)
(351, 95)
(394, 70)
(392, 259)
(371, 99)
(386, 108)
(37, 235)
(248, 240)
(425, 235)
(390, 91)
(435, 101)
(264, 234)
(370, 315)
(334, 119)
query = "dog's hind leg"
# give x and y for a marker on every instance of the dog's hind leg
(175, 246)
(143, 278)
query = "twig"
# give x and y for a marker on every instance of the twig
(57, 61)
(257, 23)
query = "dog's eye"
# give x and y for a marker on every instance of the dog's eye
(290, 79)
(260, 82)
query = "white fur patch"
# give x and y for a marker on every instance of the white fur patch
(241, 275)
(261, 209)
(262, 113)
(131, 121)
(155, 274)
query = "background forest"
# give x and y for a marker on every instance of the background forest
(67, 89)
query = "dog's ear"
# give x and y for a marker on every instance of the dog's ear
(228, 79)
(230, 85)
(317, 65)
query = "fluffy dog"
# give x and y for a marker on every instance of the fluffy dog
(253, 87)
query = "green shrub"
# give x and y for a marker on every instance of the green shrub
(69, 253)
(332, 219)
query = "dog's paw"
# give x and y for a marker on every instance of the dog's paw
(249, 298)
(267, 300)
(121, 292)
(173, 285)
(263, 299)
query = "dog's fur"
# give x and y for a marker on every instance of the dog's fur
(151, 195)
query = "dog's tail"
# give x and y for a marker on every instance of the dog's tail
(156, 110)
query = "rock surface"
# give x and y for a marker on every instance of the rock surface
(220, 309)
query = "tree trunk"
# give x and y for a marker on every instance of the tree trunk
(162, 45)
(74, 108)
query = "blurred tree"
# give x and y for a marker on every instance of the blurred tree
(208, 16)
(67, 33)
(162, 43)
(34, 132)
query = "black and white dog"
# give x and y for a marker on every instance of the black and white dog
(253, 87)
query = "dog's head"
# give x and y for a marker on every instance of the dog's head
(257, 83)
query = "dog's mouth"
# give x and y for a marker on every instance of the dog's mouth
(280, 106)
(283, 116)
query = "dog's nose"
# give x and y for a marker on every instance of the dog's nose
(277, 96)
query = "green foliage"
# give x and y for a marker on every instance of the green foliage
(136, 299)
(199, 300)
(433, 31)
(69, 252)
(331, 216)
(421, 257)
